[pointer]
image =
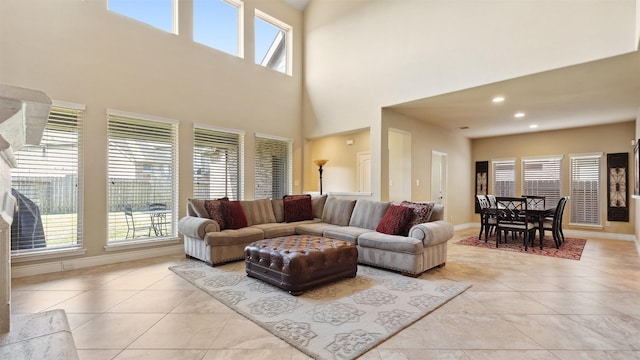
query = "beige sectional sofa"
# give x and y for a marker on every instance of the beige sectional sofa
(424, 247)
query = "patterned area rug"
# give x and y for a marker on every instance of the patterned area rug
(570, 249)
(341, 320)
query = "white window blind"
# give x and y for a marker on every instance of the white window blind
(504, 177)
(217, 164)
(142, 171)
(585, 189)
(272, 167)
(542, 177)
(48, 187)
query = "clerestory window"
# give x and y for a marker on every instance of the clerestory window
(218, 24)
(273, 43)
(162, 14)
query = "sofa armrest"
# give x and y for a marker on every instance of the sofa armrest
(432, 233)
(197, 227)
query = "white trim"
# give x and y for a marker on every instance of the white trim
(534, 158)
(137, 244)
(218, 128)
(274, 137)
(136, 116)
(68, 105)
(595, 155)
(503, 160)
(46, 254)
(57, 266)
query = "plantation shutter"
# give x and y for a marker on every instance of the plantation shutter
(585, 189)
(216, 164)
(142, 170)
(542, 177)
(48, 186)
(272, 167)
(504, 177)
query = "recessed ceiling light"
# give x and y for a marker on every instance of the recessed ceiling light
(498, 99)
(533, 126)
(519, 114)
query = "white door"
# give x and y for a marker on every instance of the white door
(399, 165)
(364, 172)
(439, 177)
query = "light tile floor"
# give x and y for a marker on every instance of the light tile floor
(520, 306)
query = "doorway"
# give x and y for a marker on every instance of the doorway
(364, 172)
(439, 177)
(399, 165)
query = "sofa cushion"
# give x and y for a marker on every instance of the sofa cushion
(297, 208)
(337, 211)
(234, 217)
(395, 220)
(345, 233)
(421, 213)
(367, 214)
(258, 211)
(231, 237)
(314, 228)
(278, 209)
(393, 243)
(317, 204)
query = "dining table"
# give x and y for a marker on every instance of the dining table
(538, 213)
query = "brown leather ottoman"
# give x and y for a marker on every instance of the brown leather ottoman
(300, 262)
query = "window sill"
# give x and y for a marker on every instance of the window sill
(48, 254)
(137, 244)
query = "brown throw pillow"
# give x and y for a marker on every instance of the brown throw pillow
(395, 220)
(214, 209)
(421, 213)
(234, 217)
(297, 208)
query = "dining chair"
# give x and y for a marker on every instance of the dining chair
(554, 224)
(511, 216)
(535, 201)
(487, 217)
(131, 224)
(159, 218)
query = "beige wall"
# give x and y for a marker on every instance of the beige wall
(426, 138)
(340, 173)
(77, 51)
(614, 138)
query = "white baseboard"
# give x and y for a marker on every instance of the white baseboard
(575, 233)
(63, 265)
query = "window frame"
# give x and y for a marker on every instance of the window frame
(288, 177)
(512, 189)
(174, 18)
(240, 159)
(288, 41)
(239, 5)
(574, 199)
(172, 205)
(551, 160)
(78, 247)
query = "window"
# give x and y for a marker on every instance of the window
(161, 14)
(216, 23)
(542, 177)
(272, 167)
(585, 189)
(48, 186)
(272, 43)
(217, 170)
(504, 177)
(142, 171)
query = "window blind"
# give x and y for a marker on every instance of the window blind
(217, 164)
(272, 167)
(542, 177)
(142, 171)
(48, 187)
(504, 177)
(585, 189)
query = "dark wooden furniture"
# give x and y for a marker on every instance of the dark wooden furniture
(299, 262)
(554, 223)
(487, 216)
(512, 216)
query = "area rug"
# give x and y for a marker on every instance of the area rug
(571, 248)
(341, 320)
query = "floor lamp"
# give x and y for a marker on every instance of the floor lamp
(320, 164)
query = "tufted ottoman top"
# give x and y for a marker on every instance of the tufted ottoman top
(301, 254)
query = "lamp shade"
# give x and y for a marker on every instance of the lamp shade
(320, 162)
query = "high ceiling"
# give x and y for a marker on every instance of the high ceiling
(598, 92)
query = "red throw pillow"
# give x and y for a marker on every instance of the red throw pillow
(395, 220)
(233, 214)
(214, 209)
(297, 208)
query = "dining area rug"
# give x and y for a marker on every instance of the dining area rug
(341, 320)
(571, 248)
